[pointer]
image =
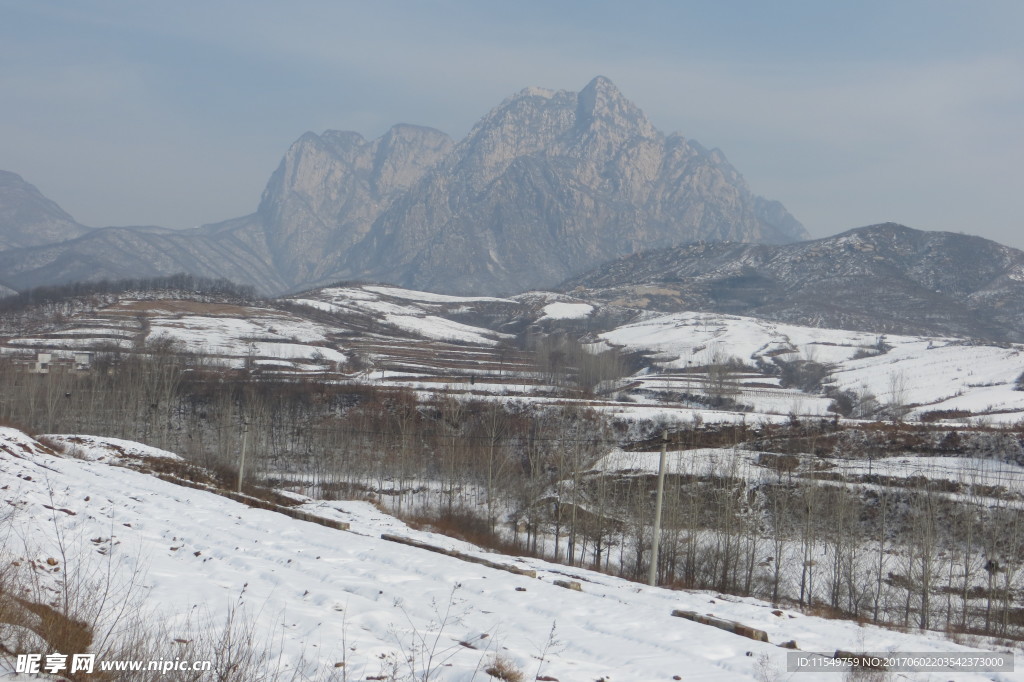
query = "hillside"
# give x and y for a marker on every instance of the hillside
(318, 599)
(629, 363)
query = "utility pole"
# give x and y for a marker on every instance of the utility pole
(652, 577)
(241, 462)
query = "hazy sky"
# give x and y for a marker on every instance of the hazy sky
(850, 113)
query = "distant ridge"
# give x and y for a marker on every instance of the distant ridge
(885, 278)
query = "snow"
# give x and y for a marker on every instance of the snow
(416, 316)
(426, 296)
(74, 344)
(319, 305)
(941, 376)
(95, 331)
(983, 473)
(434, 327)
(103, 449)
(567, 311)
(760, 399)
(699, 461)
(192, 328)
(308, 588)
(267, 337)
(701, 338)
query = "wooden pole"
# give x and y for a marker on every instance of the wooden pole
(241, 462)
(652, 576)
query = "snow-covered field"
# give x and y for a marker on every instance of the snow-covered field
(327, 596)
(228, 335)
(428, 297)
(942, 375)
(567, 311)
(921, 373)
(704, 338)
(737, 462)
(416, 312)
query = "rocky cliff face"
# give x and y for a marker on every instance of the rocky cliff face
(330, 188)
(552, 183)
(547, 185)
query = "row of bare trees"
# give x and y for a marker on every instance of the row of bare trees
(923, 552)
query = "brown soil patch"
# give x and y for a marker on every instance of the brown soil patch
(187, 307)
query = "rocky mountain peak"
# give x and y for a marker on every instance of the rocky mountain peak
(601, 103)
(526, 123)
(551, 182)
(318, 166)
(597, 121)
(404, 154)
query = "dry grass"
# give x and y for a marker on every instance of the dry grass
(503, 668)
(164, 306)
(61, 632)
(461, 525)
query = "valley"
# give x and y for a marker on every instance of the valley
(551, 342)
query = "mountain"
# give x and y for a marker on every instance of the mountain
(27, 218)
(553, 183)
(883, 278)
(547, 185)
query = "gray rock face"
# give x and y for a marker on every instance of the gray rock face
(882, 278)
(329, 189)
(547, 185)
(552, 183)
(27, 218)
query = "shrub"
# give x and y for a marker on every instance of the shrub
(806, 375)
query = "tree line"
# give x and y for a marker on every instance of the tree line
(58, 293)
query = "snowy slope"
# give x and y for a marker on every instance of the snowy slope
(925, 373)
(942, 375)
(309, 588)
(700, 338)
(417, 313)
